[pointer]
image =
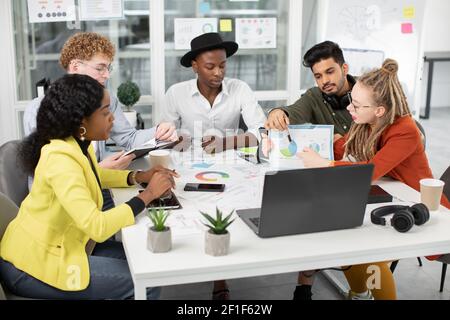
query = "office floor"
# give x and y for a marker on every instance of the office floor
(413, 282)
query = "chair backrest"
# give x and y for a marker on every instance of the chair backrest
(242, 124)
(422, 131)
(2, 294)
(446, 178)
(8, 211)
(13, 181)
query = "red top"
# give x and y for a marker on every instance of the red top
(400, 155)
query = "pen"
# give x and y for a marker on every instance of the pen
(289, 135)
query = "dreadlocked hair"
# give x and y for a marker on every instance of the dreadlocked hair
(387, 91)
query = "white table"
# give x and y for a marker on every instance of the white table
(252, 256)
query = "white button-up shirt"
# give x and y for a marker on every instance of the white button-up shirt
(192, 112)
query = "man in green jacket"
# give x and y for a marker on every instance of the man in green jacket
(325, 104)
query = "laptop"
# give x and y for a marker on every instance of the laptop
(311, 200)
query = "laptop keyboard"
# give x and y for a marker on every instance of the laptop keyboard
(255, 221)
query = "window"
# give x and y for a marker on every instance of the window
(261, 69)
(38, 45)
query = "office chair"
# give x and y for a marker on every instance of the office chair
(8, 211)
(13, 181)
(445, 259)
(422, 133)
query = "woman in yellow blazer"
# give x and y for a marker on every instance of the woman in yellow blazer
(43, 251)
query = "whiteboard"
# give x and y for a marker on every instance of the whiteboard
(391, 27)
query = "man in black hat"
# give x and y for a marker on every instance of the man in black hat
(210, 106)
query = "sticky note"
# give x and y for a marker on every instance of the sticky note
(226, 25)
(407, 28)
(204, 7)
(409, 12)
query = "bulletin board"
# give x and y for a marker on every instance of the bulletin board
(388, 28)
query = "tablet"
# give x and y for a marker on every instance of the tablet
(139, 152)
(169, 203)
(143, 150)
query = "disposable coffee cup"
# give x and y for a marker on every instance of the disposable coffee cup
(431, 193)
(159, 157)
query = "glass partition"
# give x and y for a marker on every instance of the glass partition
(261, 69)
(37, 47)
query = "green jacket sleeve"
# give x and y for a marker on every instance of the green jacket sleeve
(301, 111)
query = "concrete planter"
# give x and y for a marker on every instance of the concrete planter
(159, 241)
(217, 244)
(131, 117)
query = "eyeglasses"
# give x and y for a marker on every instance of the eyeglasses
(101, 69)
(350, 100)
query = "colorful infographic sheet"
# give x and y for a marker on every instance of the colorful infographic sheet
(316, 137)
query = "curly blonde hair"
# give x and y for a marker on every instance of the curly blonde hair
(83, 46)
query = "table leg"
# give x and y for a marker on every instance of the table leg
(140, 292)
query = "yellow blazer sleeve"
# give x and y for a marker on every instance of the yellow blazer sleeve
(75, 188)
(113, 178)
(109, 178)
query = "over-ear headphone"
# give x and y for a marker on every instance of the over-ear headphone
(404, 218)
(337, 103)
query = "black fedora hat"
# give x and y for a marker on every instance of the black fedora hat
(206, 42)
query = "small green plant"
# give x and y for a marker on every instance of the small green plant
(158, 217)
(218, 225)
(128, 94)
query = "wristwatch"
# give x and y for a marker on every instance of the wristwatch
(133, 177)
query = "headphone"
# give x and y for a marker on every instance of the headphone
(337, 103)
(405, 217)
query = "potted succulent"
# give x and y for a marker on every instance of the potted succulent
(128, 94)
(159, 237)
(217, 238)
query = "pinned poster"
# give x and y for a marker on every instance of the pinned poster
(226, 25)
(409, 12)
(407, 28)
(101, 9)
(256, 33)
(51, 10)
(186, 29)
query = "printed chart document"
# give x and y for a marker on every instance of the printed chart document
(287, 144)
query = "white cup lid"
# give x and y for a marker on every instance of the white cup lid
(159, 153)
(432, 183)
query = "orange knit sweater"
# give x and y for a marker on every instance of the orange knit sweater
(400, 155)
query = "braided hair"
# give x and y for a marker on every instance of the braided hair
(387, 91)
(68, 100)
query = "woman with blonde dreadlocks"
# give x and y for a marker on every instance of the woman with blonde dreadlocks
(384, 134)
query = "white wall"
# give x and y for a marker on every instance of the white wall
(436, 38)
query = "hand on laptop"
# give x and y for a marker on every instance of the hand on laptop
(116, 161)
(312, 159)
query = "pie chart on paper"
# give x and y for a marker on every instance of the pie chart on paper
(211, 176)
